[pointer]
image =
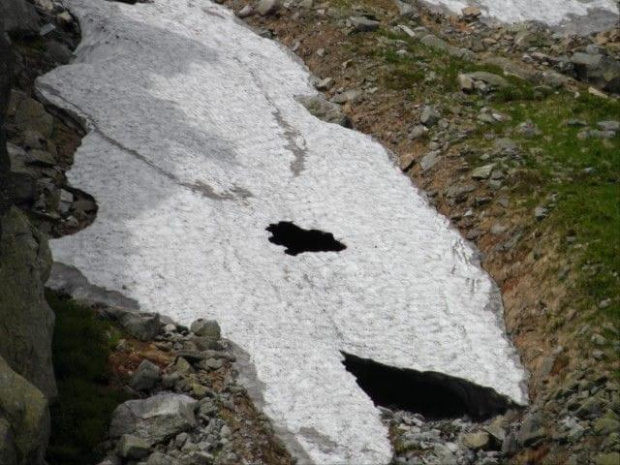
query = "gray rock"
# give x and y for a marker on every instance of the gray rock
(363, 24)
(267, 7)
(31, 115)
(540, 213)
(436, 43)
(466, 83)
(27, 320)
(348, 96)
(429, 116)
(325, 84)
(483, 172)
(246, 11)
(418, 131)
(613, 126)
(199, 458)
(605, 426)
(133, 448)
(155, 419)
(145, 377)
(324, 110)
(405, 10)
(597, 69)
(206, 328)
(429, 160)
(159, 458)
(19, 17)
(476, 441)
(24, 420)
(531, 429)
(591, 407)
(141, 325)
(488, 78)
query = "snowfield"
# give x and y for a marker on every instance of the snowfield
(196, 144)
(552, 12)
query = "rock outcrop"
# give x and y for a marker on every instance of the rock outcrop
(26, 321)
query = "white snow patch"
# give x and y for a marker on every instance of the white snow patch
(552, 12)
(180, 96)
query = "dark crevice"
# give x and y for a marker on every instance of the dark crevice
(434, 395)
(298, 240)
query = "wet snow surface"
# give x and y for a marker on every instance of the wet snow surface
(196, 146)
(552, 12)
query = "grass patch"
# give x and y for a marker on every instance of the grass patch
(585, 175)
(81, 415)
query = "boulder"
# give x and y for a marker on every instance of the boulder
(133, 448)
(145, 377)
(598, 70)
(405, 10)
(24, 420)
(206, 328)
(363, 24)
(141, 325)
(31, 115)
(490, 79)
(476, 441)
(155, 419)
(436, 43)
(324, 110)
(471, 13)
(26, 321)
(532, 430)
(483, 172)
(429, 116)
(267, 7)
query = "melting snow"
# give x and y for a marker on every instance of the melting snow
(552, 12)
(196, 146)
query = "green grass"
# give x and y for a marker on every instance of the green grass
(588, 202)
(585, 174)
(81, 415)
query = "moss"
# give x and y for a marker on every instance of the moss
(584, 174)
(81, 416)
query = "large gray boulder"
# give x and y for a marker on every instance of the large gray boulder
(155, 419)
(26, 321)
(24, 420)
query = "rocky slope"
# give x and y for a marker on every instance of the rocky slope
(27, 382)
(568, 347)
(479, 117)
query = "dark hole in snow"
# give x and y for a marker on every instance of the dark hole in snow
(434, 395)
(298, 240)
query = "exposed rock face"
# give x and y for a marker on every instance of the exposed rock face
(19, 16)
(24, 420)
(26, 321)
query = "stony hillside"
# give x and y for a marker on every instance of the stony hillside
(513, 132)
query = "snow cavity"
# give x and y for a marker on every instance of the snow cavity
(552, 12)
(195, 144)
(434, 395)
(298, 240)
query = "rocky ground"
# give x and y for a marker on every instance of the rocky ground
(485, 118)
(470, 110)
(187, 407)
